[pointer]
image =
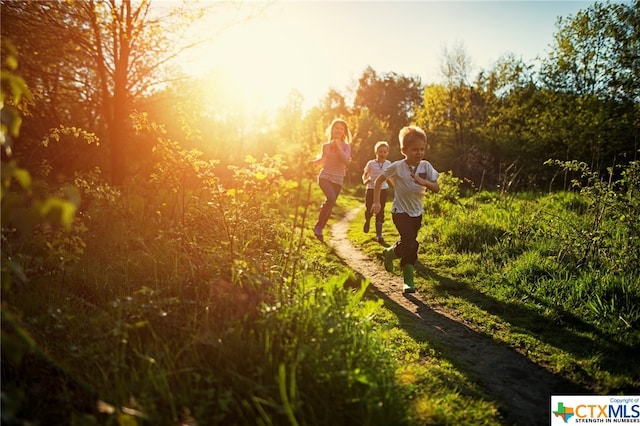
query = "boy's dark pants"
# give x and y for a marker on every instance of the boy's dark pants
(406, 248)
(368, 202)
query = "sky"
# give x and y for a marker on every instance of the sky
(317, 46)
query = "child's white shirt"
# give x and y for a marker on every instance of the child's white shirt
(408, 195)
(374, 168)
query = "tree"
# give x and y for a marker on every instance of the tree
(290, 130)
(206, 113)
(595, 63)
(452, 114)
(593, 52)
(512, 142)
(55, 68)
(370, 129)
(334, 105)
(107, 56)
(128, 45)
(391, 97)
(25, 206)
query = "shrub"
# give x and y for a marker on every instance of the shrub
(439, 203)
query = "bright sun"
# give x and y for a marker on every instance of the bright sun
(264, 59)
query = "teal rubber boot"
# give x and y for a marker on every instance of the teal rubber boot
(408, 275)
(389, 255)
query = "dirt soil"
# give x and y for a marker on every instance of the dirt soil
(522, 388)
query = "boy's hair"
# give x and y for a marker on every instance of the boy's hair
(379, 144)
(411, 134)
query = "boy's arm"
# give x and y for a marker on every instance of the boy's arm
(365, 174)
(431, 185)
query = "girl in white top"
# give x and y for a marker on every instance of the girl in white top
(334, 157)
(411, 177)
(372, 170)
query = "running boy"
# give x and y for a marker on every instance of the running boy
(410, 178)
(371, 171)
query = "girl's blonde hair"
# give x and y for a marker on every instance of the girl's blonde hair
(347, 137)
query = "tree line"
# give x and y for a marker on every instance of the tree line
(99, 69)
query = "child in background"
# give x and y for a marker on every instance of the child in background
(335, 155)
(411, 177)
(371, 171)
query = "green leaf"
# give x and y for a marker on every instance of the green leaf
(12, 120)
(23, 177)
(59, 211)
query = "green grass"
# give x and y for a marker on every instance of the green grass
(504, 268)
(437, 392)
(170, 321)
(152, 328)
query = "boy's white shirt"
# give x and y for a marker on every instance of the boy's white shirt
(374, 170)
(407, 193)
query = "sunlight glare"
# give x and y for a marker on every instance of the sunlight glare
(265, 59)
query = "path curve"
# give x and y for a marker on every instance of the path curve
(521, 387)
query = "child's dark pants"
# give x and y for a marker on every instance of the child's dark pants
(368, 202)
(406, 248)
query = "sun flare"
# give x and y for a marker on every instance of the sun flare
(262, 62)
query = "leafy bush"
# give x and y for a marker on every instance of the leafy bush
(35, 239)
(439, 203)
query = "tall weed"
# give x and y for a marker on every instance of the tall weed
(611, 239)
(574, 252)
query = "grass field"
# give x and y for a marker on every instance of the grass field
(228, 313)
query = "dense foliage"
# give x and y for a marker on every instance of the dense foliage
(494, 130)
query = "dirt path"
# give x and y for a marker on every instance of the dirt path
(521, 387)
